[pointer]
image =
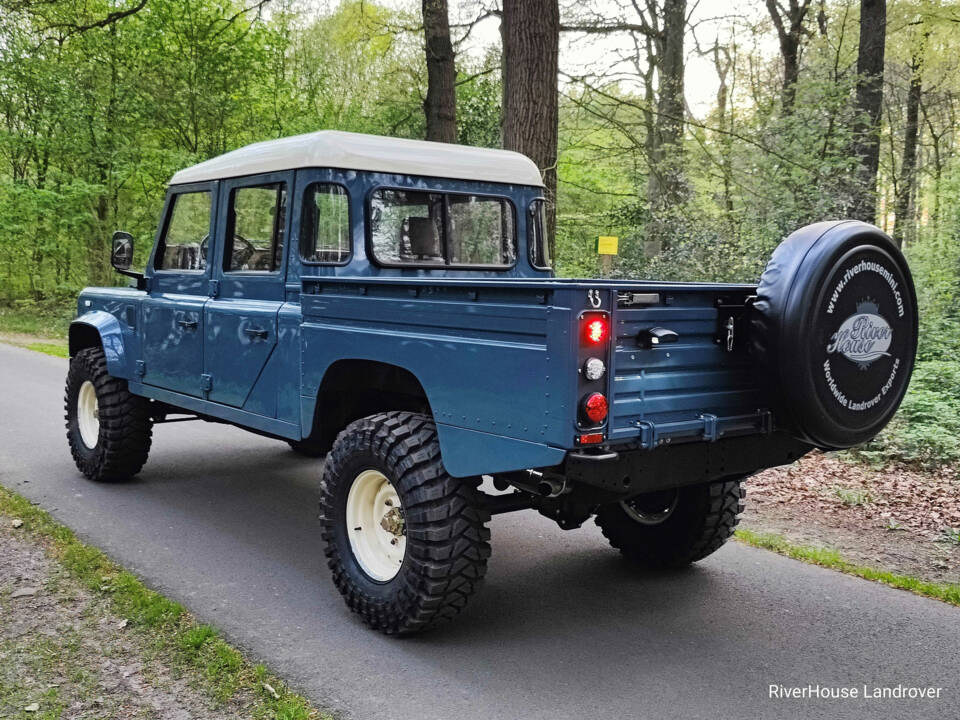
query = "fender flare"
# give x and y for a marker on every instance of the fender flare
(107, 328)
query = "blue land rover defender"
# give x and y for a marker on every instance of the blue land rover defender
(390, 305)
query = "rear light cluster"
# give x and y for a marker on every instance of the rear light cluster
(596, 328)
(594, 338)
(595, 407)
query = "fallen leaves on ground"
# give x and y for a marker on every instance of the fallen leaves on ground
(896, 498)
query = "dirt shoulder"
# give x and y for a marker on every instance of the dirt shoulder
(891, 518)
(82, 638)
(64, 654)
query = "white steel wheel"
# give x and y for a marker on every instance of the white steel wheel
(88, 415)
(375, 525)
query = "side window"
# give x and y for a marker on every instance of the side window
(325, 230)
(419, 228)
(186, 240)
(255, 229)
(536, 238)
(481, 231)
(407, 227)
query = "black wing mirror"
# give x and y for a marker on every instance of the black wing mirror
(121, 257)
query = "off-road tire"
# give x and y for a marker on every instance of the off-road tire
(704, 518)
(125, 425)
(307, 448)
(447, 542)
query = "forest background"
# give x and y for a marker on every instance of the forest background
(699, 133)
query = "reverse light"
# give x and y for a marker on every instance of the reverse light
(593, 369)
(596, 329)
(595, 407)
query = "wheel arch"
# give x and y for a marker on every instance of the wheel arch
(100, 329)
(355, 388)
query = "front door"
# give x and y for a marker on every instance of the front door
(240, 322)
(172, 328)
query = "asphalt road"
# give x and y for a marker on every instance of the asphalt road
(224, 522)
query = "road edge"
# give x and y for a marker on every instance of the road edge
(833, 560)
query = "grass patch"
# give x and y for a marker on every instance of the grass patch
(219, 668)
(47, 319)
(951, 535)
(832, 559)
(49, 348)
(852, 496)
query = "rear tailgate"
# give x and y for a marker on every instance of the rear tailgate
(703, 386)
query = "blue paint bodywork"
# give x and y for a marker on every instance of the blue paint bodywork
(497, 352)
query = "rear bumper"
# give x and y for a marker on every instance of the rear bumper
(638, 470)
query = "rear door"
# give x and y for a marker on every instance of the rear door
(240, 321)
(173, 309)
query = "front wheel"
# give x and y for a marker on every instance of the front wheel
(407, 543)
(673, 528)
(108, 428)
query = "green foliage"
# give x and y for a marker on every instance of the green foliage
(926, 431)
(479, 97)
(92, 128)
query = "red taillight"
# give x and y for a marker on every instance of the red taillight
(596, 329)
(591, 438)
(595, 407)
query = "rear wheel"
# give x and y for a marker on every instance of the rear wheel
(108, 428)
(407, 543)
(673, 528)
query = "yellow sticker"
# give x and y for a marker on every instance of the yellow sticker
(607, 244)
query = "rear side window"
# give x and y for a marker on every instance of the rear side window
(187, 238)
(255, 231)
(536, 237)
(325, 230)
(409, 227)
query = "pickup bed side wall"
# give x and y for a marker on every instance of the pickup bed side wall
(492, 363)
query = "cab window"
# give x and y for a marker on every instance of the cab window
(187, 238)
(409, 227)
(255, 229)
(325, 230)
(536, 237)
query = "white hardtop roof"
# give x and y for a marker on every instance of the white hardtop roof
(354, 151)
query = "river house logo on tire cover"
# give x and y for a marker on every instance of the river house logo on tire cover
(863, 337)
(865, 333)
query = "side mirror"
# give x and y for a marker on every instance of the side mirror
(121, 255)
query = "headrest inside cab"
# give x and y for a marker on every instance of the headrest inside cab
(423, 235)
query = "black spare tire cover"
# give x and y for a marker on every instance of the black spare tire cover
(835, 328)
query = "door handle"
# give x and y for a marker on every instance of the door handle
(256, 333)
(188, 324)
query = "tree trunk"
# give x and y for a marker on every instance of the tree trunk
(789, 26)
(903, 215)
(873, 29)
(665, 184)
(531, 49)
(440, 105)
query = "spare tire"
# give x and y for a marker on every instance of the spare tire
(834, 327)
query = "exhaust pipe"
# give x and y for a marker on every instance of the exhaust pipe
(534, 482)
(551, 487)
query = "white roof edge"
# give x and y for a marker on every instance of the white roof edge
(373, 153)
